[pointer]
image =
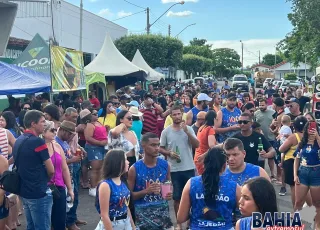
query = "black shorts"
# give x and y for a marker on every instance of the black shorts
(288, 172)
(261, 164)
(179, 180)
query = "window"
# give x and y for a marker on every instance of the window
(240, 79)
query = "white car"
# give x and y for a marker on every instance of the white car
(240, 81)
(285, 84)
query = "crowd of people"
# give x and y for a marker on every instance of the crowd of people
(209, 144)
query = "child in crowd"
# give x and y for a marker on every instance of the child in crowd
(285, 130)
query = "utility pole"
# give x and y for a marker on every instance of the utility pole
(169, 30)
(275, 57)
(81, 21)
(148, 20)
(241, 54)
(259, 57)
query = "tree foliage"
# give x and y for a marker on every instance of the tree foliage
(304, 40)
(270, 59)
(290, 76)
(157, 50)
(225, 59)
(203, 51)
(191, 64)
(198, 42)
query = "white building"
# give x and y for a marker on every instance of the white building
(261, 68)
(302, 70)
(36, 17)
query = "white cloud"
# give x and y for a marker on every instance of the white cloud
(175, 1)
(105, 13)
(121, 14)
(180, 14)
(93, 0)
(251, 48)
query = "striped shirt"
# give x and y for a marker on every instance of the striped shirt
(149, 121)
(4, 143)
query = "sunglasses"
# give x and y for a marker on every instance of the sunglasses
(94, 114)
(53, 130)
(116, 103)
(129, 118)
(243, 122)
(26, 108)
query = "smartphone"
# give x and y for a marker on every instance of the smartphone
(313, 125)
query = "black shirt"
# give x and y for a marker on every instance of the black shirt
(251, 146)
(32, 155)
(302, 102)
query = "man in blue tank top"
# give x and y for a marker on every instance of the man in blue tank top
(144, 180)
(238, 170)
(202, 105)
(227, 119)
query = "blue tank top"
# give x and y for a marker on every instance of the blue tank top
(146, 176)
(218, 216)
(245, 223)
(310, 155)
(119, 199)
(249, 172)
(228, 119)
(195, 112)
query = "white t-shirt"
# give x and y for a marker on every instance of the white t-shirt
(284, 130)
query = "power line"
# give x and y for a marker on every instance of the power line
(23, 30)
(135, 5)
(129, 15)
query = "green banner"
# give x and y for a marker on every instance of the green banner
(35, 56)
(66, 69)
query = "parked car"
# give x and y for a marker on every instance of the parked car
(240, 81)
(285, 84)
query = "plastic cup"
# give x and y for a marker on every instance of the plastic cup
(165, 189)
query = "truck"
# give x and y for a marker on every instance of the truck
(260, 77)
(240, 81)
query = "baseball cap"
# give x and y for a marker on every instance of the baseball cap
(231, 95)
(133, 103)
(278, 101)
(203, 97)
(293, 99)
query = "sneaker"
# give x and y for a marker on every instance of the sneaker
(92, 192)
(283, 191)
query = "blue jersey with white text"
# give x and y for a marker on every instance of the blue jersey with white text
(146, 176)
(218, 216)
(119, 199)
(195, 112)
(228, 119)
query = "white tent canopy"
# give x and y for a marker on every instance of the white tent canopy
(111, 62)
(153, 75)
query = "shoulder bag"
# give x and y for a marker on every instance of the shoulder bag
(10, 180)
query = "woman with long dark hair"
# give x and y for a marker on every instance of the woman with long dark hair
(9, 122)
(121, 137)
(209, 200)
(307, 169)
(96, 139)
(257, 195)
(113, 195)
(206, 137)
(108, 115)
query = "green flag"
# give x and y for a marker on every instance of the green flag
(35, 56)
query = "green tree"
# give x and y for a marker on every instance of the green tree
(304, 40)
(290, 76)
(270, 59)
(203, 51)
(198, 42)
(225, 59)
(192, 64)
(157, 50)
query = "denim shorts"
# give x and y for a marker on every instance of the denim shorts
(116, 225)
(4, 211)
(309, 176)
(95, 153)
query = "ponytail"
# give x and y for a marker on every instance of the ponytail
(213, 164)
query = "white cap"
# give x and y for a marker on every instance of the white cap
(203, 97)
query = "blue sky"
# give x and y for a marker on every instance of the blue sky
(259, 23)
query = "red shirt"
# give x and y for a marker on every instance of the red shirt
(95, 102)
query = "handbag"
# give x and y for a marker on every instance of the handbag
(54, 190)
(10, 180)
